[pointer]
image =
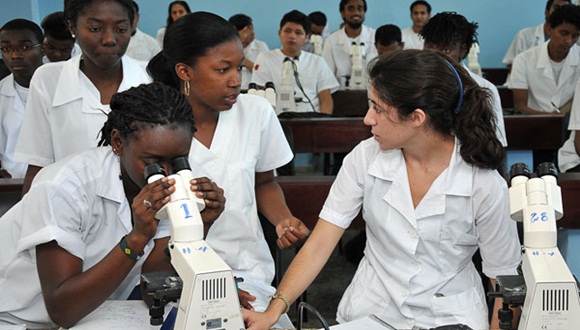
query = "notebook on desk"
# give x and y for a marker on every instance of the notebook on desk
(119, 315)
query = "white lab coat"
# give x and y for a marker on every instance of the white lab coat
(313, 72)
(524, 40)
(251, 52)
(63, 114)
(11, 114)
(417, 268)
(78, 202)
(337, 47)
(411, 39)
(532, 70)
(248, 139)
(567, 156)
(142, 47)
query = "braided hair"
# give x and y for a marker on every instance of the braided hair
(146, 105)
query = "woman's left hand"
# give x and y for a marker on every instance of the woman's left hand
(291, 233)
(212, 195)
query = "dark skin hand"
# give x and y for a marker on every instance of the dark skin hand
(61, 273)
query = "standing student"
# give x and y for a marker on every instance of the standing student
(543, 77)
(420, 14)
(87, 227)
(430, 195)
(452, 35)
(238, 143)
(177, 9)
(20, 45)
(252, 46)
(313, 80)
(68, 101)
(338, 45)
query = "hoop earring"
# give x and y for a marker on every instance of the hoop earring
(186, 88)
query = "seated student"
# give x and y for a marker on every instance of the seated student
(451, 34)
(532, 36)
(87, 227)
(543, 77)
(313, 79)
(337, 47)
(388, 39)
(20, 42)
(430, 195)
(252, 46)
(142, 46)
(420, 14)
(58, 44)
(176, 10)
(69, 101)
(318, 29)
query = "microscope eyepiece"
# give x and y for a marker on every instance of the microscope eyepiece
(547, 169)
(153, 169)
(180, 163)
(519, 169)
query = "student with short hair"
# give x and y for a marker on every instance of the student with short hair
(543, 77)
(451, 34)
(532, 36)
(420, 14)
(313, 81)
(388, 39)
(337, 47)
(252, 46)
(318, 29)
(20, 45)
(69, 101)
(58, 44)
(87, 229)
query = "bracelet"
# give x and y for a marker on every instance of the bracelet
(127, 250)
(279, 295)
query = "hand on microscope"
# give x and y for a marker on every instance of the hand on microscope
(245, 299)
(291, 232)
(214, 199)
(150, 199)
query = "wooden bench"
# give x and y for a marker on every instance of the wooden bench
(496, 76)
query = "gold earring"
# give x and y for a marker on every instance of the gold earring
(186, 88)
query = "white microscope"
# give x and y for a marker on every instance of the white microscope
(317, 42)
(550, 290)
(285, 94)
(209, 298)
(357, 78)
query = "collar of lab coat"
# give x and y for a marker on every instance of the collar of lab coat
(8, 86)
(110, 187)
(69, 86)
(390, 166)
(365, 34)
(570, 63)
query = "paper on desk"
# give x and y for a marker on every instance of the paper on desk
(366, 323)
(119, 314)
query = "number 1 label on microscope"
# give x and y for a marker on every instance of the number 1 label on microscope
(186, 211)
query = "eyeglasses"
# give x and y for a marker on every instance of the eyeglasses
(21, 49)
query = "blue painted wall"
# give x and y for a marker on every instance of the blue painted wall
(499, 20)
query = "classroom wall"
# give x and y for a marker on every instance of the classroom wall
(498, 20)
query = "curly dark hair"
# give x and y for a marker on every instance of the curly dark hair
(146, 105)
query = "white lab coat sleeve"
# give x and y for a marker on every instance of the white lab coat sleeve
(519, 74)
(328, 54)
(35, 146)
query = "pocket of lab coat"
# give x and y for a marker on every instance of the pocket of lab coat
(456, 249)
(466, 307)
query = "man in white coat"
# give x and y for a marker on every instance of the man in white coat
(543, 77)
(338, 45)
(420, 14)
(252, 46)
(20, 44)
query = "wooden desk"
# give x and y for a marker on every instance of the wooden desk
(535, 132)
(326, 135)
(496, 76)
(350, 103)
(506, 96)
